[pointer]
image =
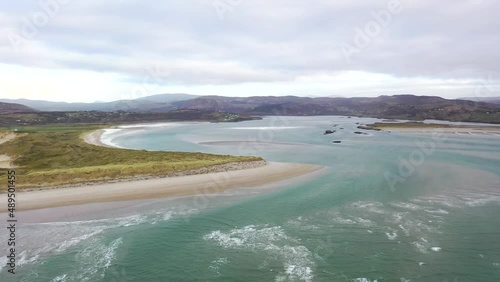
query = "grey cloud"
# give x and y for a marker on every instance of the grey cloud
(261, 40)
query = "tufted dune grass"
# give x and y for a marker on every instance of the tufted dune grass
(48, 156)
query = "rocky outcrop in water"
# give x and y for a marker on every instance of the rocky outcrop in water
(329, 132)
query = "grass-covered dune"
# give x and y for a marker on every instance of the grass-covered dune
(57, 155)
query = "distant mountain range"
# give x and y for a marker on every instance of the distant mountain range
(138, 105)
(492, 100)
(395, 107)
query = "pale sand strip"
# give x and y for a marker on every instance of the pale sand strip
(5, 161)
(6, 137)
(162, 187)
(94, 138)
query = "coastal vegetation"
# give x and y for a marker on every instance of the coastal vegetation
(55, 155)
(12, 120)
(421, 125)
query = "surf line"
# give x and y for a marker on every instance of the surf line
(11, 221)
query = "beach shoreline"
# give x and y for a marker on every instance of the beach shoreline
(210, 183)
(209, 180)
(95, 138)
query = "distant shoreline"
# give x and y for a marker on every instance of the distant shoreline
(421, 126)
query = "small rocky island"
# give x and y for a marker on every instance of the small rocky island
(329, 132)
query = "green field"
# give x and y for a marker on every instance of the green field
(57, 155)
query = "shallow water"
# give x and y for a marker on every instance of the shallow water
(391, 206)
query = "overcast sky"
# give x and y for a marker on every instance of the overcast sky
(76, 50)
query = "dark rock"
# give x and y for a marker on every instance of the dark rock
(329, 132)
(337, 142)
(360, 133)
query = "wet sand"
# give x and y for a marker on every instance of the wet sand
(162, 187)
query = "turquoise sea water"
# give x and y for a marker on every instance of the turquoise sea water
(390, 206)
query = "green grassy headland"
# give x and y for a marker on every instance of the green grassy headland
(48, 156)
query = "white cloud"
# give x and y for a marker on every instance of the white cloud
(104, 48)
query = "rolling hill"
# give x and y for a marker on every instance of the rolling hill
(397, 107)
(492, 100)
(406, 106)
(138, 105)
(6, 108)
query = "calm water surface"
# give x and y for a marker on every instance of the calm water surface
(390, 206)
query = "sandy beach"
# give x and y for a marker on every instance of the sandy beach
(237, 176)
(94, 138)
(162, 187)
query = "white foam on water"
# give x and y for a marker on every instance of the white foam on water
(415, 207)
(216, 264)
(436, 249)
(61, 278)
(364, 222)
(436, 211)
(364, 280)
(369, 206)
(496, 264)
(479, 202)
(24, 259)
(421, 247)
(41, 239)
(297, 260)
(391, 236)
(405, 230)
(74, 241)
(302, 223)
(410, 225)
(341, 220)
(296, 263)
(344, 218)
(110, 134)
(3, 262)
(93, 261)
(408, 206)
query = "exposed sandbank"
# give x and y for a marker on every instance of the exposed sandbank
(162, 187)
